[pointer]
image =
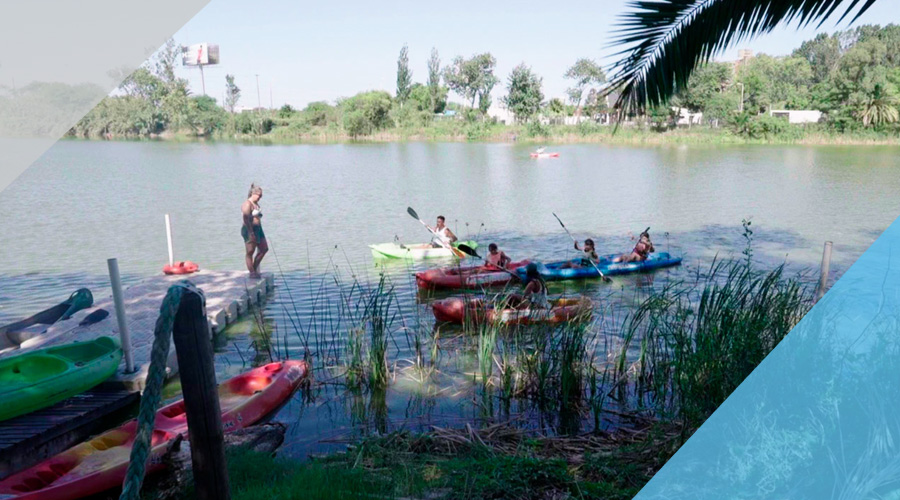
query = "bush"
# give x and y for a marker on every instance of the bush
(536, 129)
(764, 127)
(367, 112)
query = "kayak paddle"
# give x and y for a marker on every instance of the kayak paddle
(602, 276)
(471, 251)
(454, 251)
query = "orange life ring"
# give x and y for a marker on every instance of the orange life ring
(184, 267)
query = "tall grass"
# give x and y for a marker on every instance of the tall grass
(699, 342)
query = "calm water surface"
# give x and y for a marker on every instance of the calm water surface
(83, 202)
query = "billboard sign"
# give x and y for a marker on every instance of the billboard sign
(200, 54)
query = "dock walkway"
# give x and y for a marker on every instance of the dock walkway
(28, 439)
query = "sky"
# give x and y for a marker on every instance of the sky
(322, 51)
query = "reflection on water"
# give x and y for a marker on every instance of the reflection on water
(324, 204)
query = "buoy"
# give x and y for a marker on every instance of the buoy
(183, 267)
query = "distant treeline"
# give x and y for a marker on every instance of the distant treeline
(852, 76)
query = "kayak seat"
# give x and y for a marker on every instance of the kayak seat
(31, 369)
(86, 351)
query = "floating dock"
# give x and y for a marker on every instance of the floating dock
(26, 440)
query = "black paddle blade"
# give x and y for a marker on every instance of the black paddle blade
(412, 212)
(468, 250)
(94, 317)
(558, 219)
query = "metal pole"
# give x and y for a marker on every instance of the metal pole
(826, 267)
(169, 240)
(258, 101)
(116, 282)
(202, 80)
(741, 109)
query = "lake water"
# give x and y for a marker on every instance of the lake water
(84, 202)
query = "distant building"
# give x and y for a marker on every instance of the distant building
(685, 117)
(501, 113)
(797, 115)
(744, 55)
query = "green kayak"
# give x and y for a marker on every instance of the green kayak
(417, 251)
(38, 379)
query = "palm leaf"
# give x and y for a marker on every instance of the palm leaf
(666, 40)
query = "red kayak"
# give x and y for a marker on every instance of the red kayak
(545, 155)
(466, 277)
(478, 310)
(99, 464)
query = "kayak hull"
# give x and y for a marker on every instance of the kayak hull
(100, 464)
(38, 379)
(419, 251)
(448, 278)
(478, 310)
(545, 155)
(14, 334)
(556, 271)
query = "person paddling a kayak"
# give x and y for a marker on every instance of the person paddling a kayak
(640, 252)
(443, 236)
(252, 231)
(590, 255)
(497, 257)
(535, 288)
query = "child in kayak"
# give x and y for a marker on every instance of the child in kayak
(589, 259)
(535, 294)
(640, 252)
(497, 257)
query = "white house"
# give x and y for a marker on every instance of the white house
(685, 117)
(499, 111)
(798, 115)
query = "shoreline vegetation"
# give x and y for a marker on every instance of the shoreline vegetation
(842, 88)
(810, 135)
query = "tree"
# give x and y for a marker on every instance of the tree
(286, 111)
(822, 53)
(404, 76)
(366, 112)
(232, 93)
(437, 92)
(668, 40)
(524, 96)
(587, 75)
(472, 79)
(319, 114)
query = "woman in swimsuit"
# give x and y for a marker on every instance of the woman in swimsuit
(252, 231)
(641, 250)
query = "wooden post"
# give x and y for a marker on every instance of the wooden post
(124, 335)
(169, 240)
(201, 398)
(826, 267)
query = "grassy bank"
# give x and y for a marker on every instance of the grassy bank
(496, 462)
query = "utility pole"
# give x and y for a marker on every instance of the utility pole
(271, 106)
(741, 106)
(258, 101)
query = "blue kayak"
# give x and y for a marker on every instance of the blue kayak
(555, 271)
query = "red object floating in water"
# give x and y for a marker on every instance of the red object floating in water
(183, 267)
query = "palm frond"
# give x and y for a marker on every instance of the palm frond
(667, 39)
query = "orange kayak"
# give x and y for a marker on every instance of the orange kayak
(100, 464)
(479, 310)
